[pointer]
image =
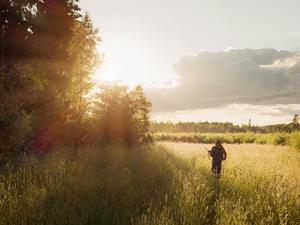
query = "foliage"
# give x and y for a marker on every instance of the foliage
(185, 127)
(48, 53)
(122, 115)
(294, 140)
(36, 30)
(291, 139)
(219, 127)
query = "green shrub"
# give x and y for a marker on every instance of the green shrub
(249, 138)
(291, 139)
(294, 140)
(280, 139)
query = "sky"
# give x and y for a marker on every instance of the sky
(228, 60)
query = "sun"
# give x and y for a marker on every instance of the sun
(133, 65)
(123, 67)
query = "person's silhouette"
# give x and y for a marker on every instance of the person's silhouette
(218, 154)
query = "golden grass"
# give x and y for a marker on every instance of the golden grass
(260, 184)
(164, 184)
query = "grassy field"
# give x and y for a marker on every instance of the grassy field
(260, 183)
(164, 184)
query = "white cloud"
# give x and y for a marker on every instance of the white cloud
(296, 34)
(286, 63)
(229, 48)
(241, 76)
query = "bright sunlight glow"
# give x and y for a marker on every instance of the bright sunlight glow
(133, 64)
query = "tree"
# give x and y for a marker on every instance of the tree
(141, 113)
(84, 58)
(295, 124)
(122, 114)
(296, 119)
(19, 84)
(48, 51)
(83, 61)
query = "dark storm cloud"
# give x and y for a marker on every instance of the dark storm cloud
(243, 76)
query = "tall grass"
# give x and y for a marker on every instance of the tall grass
(168, 183)
(109, 185)
(259, 185)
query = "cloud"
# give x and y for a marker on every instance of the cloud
(238, 76)
(283, 63)
(229, 48)
(297, 34)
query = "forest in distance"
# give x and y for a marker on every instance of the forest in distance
(224, 127)
(209, 133)
(76, 151)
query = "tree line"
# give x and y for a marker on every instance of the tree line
(48, 55)
(223, 127)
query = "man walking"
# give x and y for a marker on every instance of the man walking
(218, 154)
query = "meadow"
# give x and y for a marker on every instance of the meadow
(77, 150)
(260, 184)
(161, 184)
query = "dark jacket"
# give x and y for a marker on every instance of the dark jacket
(218, 153)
